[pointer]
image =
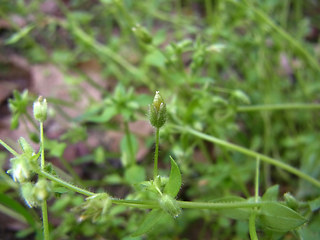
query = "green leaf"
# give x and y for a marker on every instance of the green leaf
(19, 35)
(105, 116)
(271, 193)
(236, 213)
(17, 207)
(135, 174)
(173, 186)
(151, 219)
(99, 155)
(278, 217)
(56, 149)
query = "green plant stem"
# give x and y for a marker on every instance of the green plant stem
(129, 142)
(256, 192)
(251, 153)
(150, 203)
(252, 218)
(45, 221)
(272, 107)
(6, 146)
(252, 226)
(156, 155)
(44, 207)
(64, 183)
(42, 164)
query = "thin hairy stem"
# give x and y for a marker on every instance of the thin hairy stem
(6, 146)
(156, 155)
(251, 153)
(272, 107)
(44, 207)
(153, 204)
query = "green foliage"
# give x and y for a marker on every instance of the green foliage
(174, 183)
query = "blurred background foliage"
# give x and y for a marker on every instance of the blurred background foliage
(99, 64)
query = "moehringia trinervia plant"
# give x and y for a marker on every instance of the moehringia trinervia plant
(162, 190)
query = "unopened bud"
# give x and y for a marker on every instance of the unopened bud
(21, 170)
(42, 190)
(157, 111)
(291, 201)
(40, 109)
(27, 192)
(95, 206)
(170, 205)
(142, 34)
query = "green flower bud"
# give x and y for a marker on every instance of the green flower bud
(170, 205)
(142, 34)
(40, 109)
(21, 170)
(291, 201)
(42, 190)
(95, 206)
(27, 193)
(157, 111)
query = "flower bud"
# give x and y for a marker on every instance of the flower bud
(95, 206)
(142, 34)
(157, 111)
(27, 192)
(42, 190)
(21, 170)
(170, 205)
(291, 201)
(40, 109)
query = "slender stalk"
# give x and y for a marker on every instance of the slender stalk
(218, 206)
(252, 218)
(6, 146)
(64, 183)
(252, 226)
(42, 164)
(272, 107)
(129, 142)
(256, 192)
(45, 221)
(154, 204)
(251, 153)
(44, 207)
(156, 155)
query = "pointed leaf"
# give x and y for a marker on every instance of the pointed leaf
(271, 193)
(19, 35)
(173, 186)
(18, 208)
(151, 219)
(278, 217)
